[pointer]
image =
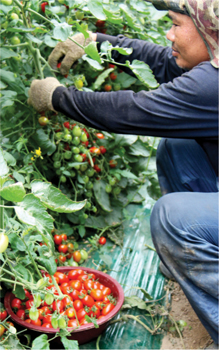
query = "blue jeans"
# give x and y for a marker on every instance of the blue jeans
(184, 225)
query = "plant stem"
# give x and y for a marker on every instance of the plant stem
(40, 16)
(31, 258)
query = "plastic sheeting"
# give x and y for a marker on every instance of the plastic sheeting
(134, 265)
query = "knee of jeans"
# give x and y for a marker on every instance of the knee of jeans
(163, 216)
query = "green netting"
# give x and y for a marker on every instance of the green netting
(134, 265)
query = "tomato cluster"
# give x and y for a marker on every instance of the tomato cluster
(80, 294)
(68, 250)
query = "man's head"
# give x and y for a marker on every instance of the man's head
(194, 33)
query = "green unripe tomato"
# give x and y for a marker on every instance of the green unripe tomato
(108, 188)
(89, 185)
(67, 137)
(3, 242)
(75, 150)
(59, 135)
(62, 323)
(88, 205)
(6, 2)
(85, 179)
(76, 131)
(84, 254)
(17, 58)
(94, 209)
(78, 158)
(56, 156)
(90, 172)
(79, 15)
(14, 16)
(4, 25)
(77, 167)
(117, 87)
(84, 26)
(116, 190)
(49, 298)
(73, 173)
(54, 321)
(67, 154)
(72, 263)
(61, 1)
(78, 84)
(63, 178)
(76, 141)
(58, 172)
(112, 181)
(83, 167)
(57, 164)
(83, 137)
(15, 40)
(37, 300)
(89, 194)
(33, 313)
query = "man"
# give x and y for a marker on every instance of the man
(184, 111)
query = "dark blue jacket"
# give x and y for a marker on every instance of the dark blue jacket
(184, 106)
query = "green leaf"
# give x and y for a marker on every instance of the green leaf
(16, 242)
(139, 149)
(33, 38)
(134, 301)
(14, 192)
(11, 161)
(144, 73)
(4, 170)
(32, 212)
(42, 140)
(7, 76)
(92, 63)
(81, 230)
(101, 196)
(125, 140)
(127, 174)
(96, 8)
(23, 272)
(2, 85)
(92, 52)
(125, 80)
(61, 31)
(123, 50)
(54, 199)
(70, 344)
(49, 41)
(19, 292)
(41, 343)
(6, 53)
(18, 177)
(101, 78)
(49, 263)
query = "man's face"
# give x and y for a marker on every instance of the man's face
(188, 47)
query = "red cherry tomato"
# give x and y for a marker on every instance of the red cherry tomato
(102, 240)
(57, 239)
(3, 315)
(107, 309)
(43, 5)
(102, 149)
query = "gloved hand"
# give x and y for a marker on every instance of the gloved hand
(71, 52)
(40, 94)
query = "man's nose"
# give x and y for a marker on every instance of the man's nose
(170, 34)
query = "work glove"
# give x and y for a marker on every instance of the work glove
(70, 51)
(40, 94)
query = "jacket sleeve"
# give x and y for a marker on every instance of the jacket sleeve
(187, 107)
(159, 58)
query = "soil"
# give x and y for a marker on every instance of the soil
(194, 334)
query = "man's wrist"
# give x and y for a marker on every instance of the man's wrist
(56, 97)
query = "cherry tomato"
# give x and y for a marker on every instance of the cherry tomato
(73, 274)
(62, 277)
(88, 284)
(49, 298)
(83, 321)
(113, 76)
(78, 304)
(95, 150)
(81, 314)
(64, 237)
(43, 5)
(63, 248)
(2, 330)
(36, 322)
(97, 294)
(100, 23)
(3, 242)
(94, 311)
(107, 87)
(102, 149)
(66, 125)
(68, 300)
(33, 314)
(88, 300)
(75, 294)
(28, 295)
(76, 284)
(62, 258)
(108, 188)
(111, 65)
(62, 323)
(107, 309)
(102, 240)
(58, 305)
(46, 310)
(16, 303)
(3, 315)
(70, 312)
(77, 256)
(79, 84)
(70, 247)
(97, 168)
(72, 323)
(43, 120)
(47, 318)
(47, 325)
(21, 314)
(76, 131)
(112, 163)
(99, 135)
